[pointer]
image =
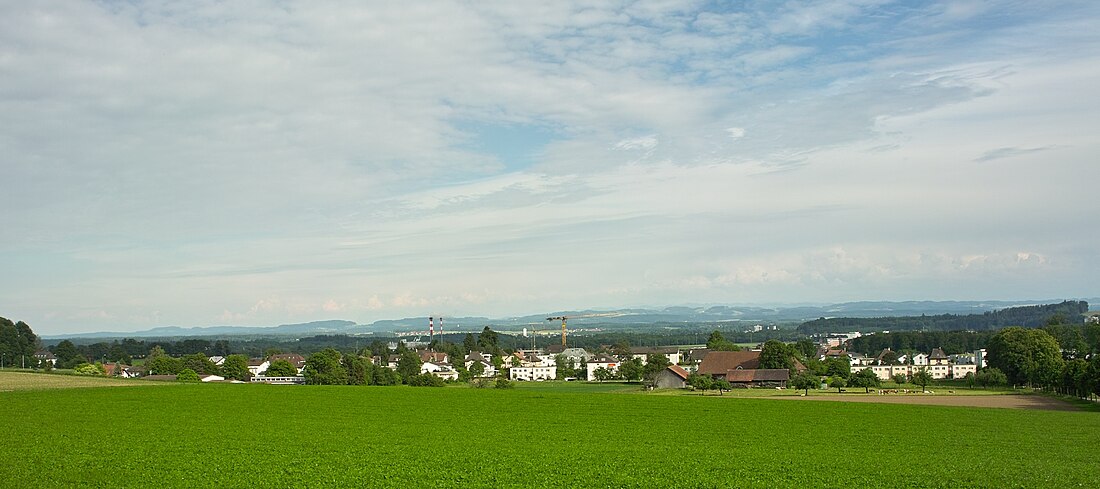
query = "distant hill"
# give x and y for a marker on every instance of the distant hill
(847, 316)
(1027, 316)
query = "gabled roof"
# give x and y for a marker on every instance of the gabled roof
(603, 358)
(44, 354)
(720, 362)
(476, 356)
(663, 350)
(679, 371)
(758, 375)
(937, 354)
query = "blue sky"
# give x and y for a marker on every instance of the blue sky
(254, 163)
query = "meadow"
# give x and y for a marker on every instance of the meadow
(311, 436)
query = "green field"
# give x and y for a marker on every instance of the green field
(309, 436)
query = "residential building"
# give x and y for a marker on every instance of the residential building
(601, 361)
(256, 366)
(45, 356)
(937, 357)
(920, 359)
(672, 353)
(533, 372)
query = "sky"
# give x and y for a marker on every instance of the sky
(260, 163)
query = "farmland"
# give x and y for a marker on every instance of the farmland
(266, 436)
(18, 381)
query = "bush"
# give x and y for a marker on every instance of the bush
(187, 375)
(503, 383)
(425, 380)
(89, 369)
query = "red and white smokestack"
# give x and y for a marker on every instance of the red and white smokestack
(431, 328)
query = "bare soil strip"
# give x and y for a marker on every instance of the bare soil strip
(1009, 401)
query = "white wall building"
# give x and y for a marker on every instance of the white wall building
(533, 372)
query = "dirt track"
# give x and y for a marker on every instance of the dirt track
(993, 401)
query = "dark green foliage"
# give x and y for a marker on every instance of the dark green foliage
(776, 354)
(408, 365)
(837, 367)
(235, 367)
(921, 377)
(1026, 356)
(837, 382)
(654, 364)
(990, 377)
(806, 348)
(718, 342)
(324, 368)
(865, 378)
(281, 368)
(187, 375)
(199, 363)
(359, 372)
(631, 369)
(900, 379)
(17, 343)
(1027, 316)
(805, 381)
(425, 380)
(503, 383)
(159, 363)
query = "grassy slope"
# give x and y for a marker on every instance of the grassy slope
(282, 436)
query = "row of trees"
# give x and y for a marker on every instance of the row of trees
(1033, 357)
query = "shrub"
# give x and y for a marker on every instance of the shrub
(503, 383)
(187, 375)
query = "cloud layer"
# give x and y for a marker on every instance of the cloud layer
(256, 163)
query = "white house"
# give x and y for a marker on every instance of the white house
(920, 359)
(533, 372)
(672, 353)
(218, 360)
(256, 366)
(603, 361)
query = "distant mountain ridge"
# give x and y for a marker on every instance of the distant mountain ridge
(625, 316)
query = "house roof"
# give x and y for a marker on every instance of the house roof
(44, 354)
(679, 371)
(432, 356)
(603, 358)
(758, 375)
(663, 350)
(697, 354)
(256, 362)
(476, 356)
(720, 362)
(937, 354)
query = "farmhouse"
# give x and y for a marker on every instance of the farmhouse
(256, 366)
(45, 356)
(772, 377)
(672, 377)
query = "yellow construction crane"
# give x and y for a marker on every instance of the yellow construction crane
(566, 318)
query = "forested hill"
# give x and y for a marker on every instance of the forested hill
(1026, 316)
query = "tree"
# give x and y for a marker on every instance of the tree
(654, 364)
(631, 369)
(1075, 378)
(721, 385)
(603, 374)
(476, 369)
(468, 343)
(922, 378)
(776, 354)
(700, 382)
(865, 378)
(503, 383)
(622, 350)
(990, 377)
(900, 379)
(424, 380)
(805, 381)
(187, 375)
(235, 367)
(384, 376)
(159, 363)
(837, 382)
(838, 367)
(67, 354)
(806, 348)
(1026, 356)
(718, 343)
(487, 340)
(324, 368)
(358, 374)
(281, 368)
(408, 365)
(199, 363)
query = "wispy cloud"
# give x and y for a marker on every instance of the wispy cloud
(261, 163)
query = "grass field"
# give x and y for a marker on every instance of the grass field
(310, 436)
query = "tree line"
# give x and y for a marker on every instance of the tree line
(1025, 316)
